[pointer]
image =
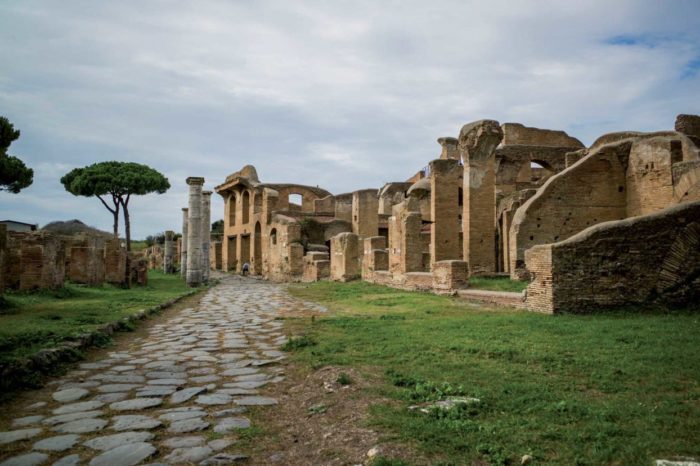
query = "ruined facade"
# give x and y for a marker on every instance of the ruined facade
(499, 198)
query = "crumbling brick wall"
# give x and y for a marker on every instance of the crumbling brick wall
(589, 192)
(317, 266)
(42, 262)
(283, 256)
(655, 257)
(649, 174)
(87, 260)
(115, 262)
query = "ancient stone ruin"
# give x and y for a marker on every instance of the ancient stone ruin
(589, 227)
(45, 260)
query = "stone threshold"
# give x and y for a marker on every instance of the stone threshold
(501, 298)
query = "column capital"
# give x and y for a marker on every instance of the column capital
(195, 180)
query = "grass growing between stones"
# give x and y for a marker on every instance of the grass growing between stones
(37, 320)
(618, 388)
(496, 284)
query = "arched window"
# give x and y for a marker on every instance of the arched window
(295, 199)
(245, 213)
(273, 236)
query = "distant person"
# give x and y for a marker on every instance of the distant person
(245, 269)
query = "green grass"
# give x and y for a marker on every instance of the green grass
(496, 284)
(616, 388)
(37, 320)
(138, 245)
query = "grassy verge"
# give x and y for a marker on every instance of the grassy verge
(496, 284)
(38, 320)
(618, 388)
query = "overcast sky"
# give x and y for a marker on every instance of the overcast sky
(345, 95)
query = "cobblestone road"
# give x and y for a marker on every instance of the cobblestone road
(176, 396)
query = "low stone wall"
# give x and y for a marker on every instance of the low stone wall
(653, 258)
(449, 276)
(317, 266)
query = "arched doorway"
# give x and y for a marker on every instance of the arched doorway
(257, 250)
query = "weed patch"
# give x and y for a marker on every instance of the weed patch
(297, 343)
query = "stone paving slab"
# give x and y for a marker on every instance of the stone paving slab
(159, 399)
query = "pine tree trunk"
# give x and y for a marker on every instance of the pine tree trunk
(127, 228)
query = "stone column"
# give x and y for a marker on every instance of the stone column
(169, 253)
(477, 145)
(194, 233)
(206, 234)
(183, 249)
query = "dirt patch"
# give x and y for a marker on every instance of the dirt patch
(321, 421)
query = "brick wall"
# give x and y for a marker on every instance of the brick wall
(589, 192)
(115, 261)
(42, 262)
(655, 257)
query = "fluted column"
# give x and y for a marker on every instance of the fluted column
(206, 234)
(183, 249)
(194, 233)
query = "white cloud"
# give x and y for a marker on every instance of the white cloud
(344, 95)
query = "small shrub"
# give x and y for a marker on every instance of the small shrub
(317, 409)
(102, 340)
(296, 343)
(344, 379)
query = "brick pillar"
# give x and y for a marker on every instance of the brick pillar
(183, 249)
(445, 186)
(477, 145)
(194, 232)
(169, 253)
(206, 234)
(345, 257)
(365, 213)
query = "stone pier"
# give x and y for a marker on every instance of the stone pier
(206, 234)
(477, 146)
(445, 209)
(194, 232)
(169, 254)
(183, 250)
